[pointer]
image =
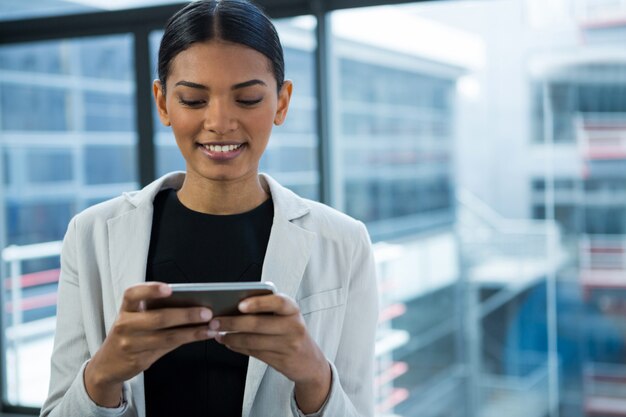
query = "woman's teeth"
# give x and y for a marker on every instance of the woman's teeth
(224, 148)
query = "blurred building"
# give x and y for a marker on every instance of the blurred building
(580, 103)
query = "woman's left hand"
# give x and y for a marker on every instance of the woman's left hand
(281, 340)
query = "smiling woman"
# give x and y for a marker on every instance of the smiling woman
(221, 88)
(221, 100)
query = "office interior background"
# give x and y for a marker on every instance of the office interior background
(482, 142)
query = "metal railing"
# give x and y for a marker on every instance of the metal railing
(602, 252)
(605, 389)
(485, 233)
(523, 395)
(602, 263)
(14, 256)
(508, 256)
(17, 332)
(601, 135)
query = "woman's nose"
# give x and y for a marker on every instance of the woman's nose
(219, 118)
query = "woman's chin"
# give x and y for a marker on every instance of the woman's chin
(223, 174)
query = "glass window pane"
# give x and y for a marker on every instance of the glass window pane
(109, 112)
(107, 62)
(42, 57)
(109, 164)
(50, 165)
(68, 140)
(395, 141)
(395, 112)
(20, 101)
(483, 145)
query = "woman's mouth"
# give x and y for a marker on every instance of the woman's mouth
(222, 151)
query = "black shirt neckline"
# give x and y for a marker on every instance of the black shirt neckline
(261, 208)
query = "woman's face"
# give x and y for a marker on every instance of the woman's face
(221, 102)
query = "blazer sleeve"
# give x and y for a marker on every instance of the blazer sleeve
(67, 395)
(352, 387)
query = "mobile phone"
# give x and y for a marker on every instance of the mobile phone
(221, 297)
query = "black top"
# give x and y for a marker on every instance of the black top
(202, 378)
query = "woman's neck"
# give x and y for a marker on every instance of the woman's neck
(222, 197)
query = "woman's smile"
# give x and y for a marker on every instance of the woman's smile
(222, 151)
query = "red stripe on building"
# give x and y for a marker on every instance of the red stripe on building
(36, 278)
(32, 303)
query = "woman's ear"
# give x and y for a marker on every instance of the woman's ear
(159, 99)
(284, 96)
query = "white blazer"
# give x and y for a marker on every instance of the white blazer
(316, 255)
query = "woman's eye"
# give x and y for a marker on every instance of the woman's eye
(249, 102)
(191, 103)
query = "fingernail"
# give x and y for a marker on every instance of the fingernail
(211, 333)
(205, 314)
(214, 325)
(164, 289)
(243, 306)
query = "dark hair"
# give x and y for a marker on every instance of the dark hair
(236, 21)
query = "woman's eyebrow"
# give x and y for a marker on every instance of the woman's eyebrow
(237, 86)
(247, 84)
(191, 85)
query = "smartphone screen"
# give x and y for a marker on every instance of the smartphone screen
(221, 297)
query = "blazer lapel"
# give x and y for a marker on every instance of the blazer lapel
(129, 236)
(129, 242)
(286, 258)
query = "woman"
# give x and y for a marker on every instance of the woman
(221, 88)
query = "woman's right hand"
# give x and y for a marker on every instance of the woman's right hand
(138, 338)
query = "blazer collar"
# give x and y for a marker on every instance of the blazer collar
(146, 195)
(286, 258)
(286, 203)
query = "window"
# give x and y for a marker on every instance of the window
(67, 139)
(20, 99)
(395, 114)
(395, 140)
(444, 152)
